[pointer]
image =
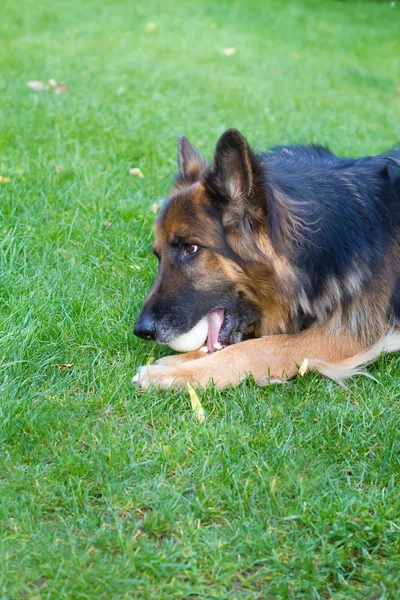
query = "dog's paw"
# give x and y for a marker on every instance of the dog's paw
(157, 375)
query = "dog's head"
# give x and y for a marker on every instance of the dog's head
(214, 254)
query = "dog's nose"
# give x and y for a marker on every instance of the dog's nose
(145, 327)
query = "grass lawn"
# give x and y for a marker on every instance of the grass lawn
(108, 493)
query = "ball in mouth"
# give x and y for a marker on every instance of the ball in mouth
(209, 330)
(193, 339)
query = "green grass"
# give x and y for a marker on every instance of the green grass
(108, 493)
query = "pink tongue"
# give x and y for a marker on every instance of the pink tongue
(215, 320)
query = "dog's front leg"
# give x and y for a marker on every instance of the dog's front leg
(273, 357)
(211, 367)
(261, 358)
(178, 359)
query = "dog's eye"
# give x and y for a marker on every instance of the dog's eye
(190, 248)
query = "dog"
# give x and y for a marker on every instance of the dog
(295, 252)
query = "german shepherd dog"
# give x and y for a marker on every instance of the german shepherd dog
(294, 253)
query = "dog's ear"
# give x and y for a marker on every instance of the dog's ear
(392, 173)
(231, 181)
(191, 163)
(232, 169)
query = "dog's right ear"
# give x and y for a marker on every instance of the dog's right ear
(232, 181)
(191, 163)
(232, 173)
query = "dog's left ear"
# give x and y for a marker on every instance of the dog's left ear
(191, 163)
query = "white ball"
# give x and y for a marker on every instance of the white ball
(193, 339)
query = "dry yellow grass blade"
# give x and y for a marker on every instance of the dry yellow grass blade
(198, 410)
(303, 367)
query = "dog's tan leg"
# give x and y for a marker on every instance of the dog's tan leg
(274, 357)
(178, 359)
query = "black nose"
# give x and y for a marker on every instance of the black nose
(145, 327)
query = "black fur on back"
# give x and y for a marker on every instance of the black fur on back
(346, 210)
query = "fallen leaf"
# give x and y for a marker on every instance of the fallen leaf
(107, 224)
(60, 89)
(303, 367)
(66, 366)
(38, 86)
(150, 26)
(57, 168)
(135, 172)
(155, 207)
(5, 179)
(198, 410)
(57, 86)
(229, 51)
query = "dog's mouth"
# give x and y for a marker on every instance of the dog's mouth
(221, 326)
